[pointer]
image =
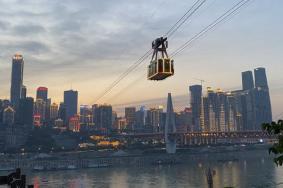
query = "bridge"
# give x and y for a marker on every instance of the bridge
(200, 138)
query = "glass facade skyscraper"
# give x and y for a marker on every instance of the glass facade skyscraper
(71, 103)
(263, 110)
(260, 77)
(196, 104)
(16, 79)
(247, 80)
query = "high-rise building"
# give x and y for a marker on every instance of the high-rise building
(247, 80)
(196, 105)
(260, 77)
(17, 79)
(9, 116)
(184, 120)
(42, 93)
(25, 112)
(74, 123)
(141, 118)
(71, 103)
(103, 117)
(53, 111)
(40, 109)
(130, 115)
(47, 110)
(155, 119)
(62, 112)
(24, 92)
(245, 109)
(263, 110)
(1, 111)
(86, 115)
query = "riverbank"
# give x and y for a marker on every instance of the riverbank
(91, 159)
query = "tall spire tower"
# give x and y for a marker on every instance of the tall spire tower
(170, 127)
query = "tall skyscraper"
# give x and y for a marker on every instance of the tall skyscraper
(260, 77)
(196, 105)
(17, 79)
(24, 92)
(263, 110)
(247, 80)
(71, 103)
(42, 93)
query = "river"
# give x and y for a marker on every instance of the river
(253, 169)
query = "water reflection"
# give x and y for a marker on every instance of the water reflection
(252, 169)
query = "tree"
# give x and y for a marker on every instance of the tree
(277, 148)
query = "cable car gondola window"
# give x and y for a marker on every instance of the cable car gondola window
(154, 67)
(149, 70)
(167, 65)
(172, 66)
(160, 65)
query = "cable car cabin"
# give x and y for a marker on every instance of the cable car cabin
(161, 66)
(160, 69)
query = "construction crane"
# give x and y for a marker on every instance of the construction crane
(201, 80)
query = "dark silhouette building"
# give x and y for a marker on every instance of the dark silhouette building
(71, 103)
(25, 112)
(130, 115)
(247, 80)
(196, 100)
(102, 117)
(262, 102)
(62, 112)
(260, 77)
(17, 79)
(24, 92)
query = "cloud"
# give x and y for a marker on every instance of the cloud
(73, 41)
(4, 25)
(28, 29)
(25, 47)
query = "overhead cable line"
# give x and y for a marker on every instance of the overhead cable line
(220, 19)
(185, 17)
(171, 31)
(123, 75)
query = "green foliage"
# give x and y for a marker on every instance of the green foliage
(276, 128)
(40, 139)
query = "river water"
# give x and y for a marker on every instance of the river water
(253, 169)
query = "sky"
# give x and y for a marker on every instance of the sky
(85, 45)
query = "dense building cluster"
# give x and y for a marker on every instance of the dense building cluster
(239, 110)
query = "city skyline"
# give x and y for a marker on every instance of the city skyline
(82, 70)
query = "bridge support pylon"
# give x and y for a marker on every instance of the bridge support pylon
(170, 127)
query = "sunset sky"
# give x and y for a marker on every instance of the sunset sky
(87, 44)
